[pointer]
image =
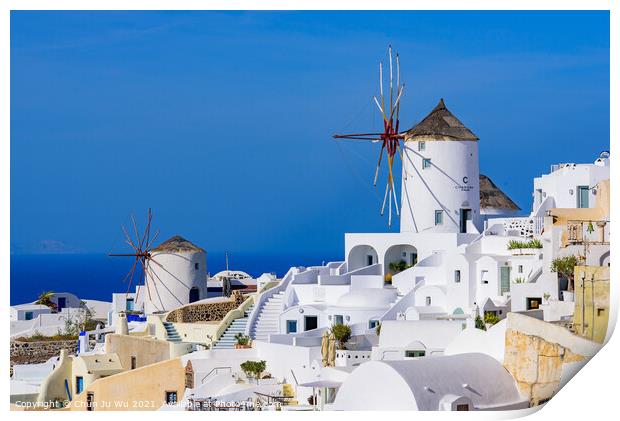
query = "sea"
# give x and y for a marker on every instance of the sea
(97, 276)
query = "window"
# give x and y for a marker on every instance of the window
(428, 301)
(79, 384)
(438, 217)
(369, 259)
(462, 407)
(520, 269)
(90, 397)
(171, 398)
(457, 276)
(532, 303)
(583, 193)
(414, 354)
(291, 326)
(484, 276)
(373, 324)
(28, 315)
(134, 362)
(338, 319)
(129, 304)
(311, 322)
(422, 146)
(196, 266)
(426, 163)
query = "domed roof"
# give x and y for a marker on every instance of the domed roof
(368, 297)
(177, 244)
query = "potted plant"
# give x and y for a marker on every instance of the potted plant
(518, 247)
(253, 369)
(565, 268)
(243, 341)
(342, 334)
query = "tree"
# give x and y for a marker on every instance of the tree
(253, 369)
(565, 267)
(480, 323)
(45, 298)
(342, 333)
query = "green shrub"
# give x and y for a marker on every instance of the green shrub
(480, 323)
(396, 267)
(342, 333)
(242, 339)
(565, 267)
(253, 369)
(490, 318)
(530, 244)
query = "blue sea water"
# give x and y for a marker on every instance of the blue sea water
(97, 276)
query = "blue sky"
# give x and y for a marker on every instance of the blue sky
(222, 122)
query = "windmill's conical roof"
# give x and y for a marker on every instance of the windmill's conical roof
(492, 197)
(176, 244)
(440, 124)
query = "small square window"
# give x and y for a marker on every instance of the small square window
(438, 217)
(291, 326)
(422, 146)
(428, 301)
(171, 398)
(414, 354)
(426, 163)
(457, 276)
(373, 324)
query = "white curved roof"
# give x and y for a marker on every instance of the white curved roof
(368, 298)
(491, 342)
(421, 384)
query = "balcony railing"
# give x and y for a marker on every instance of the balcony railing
(592, 232)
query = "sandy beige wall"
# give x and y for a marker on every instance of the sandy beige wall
(143, 389)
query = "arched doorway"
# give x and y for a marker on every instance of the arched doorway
(194, 295)
(399, 257)
(362, 256)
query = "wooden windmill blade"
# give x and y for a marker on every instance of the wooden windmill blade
(390, 137)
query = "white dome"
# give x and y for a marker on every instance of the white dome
(368, 298)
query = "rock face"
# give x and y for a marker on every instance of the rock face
(23, 352)
(536, 352)
(536, 364)
(205, 312)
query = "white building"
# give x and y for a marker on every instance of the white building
(176, 274)
(465, 382)
(454, 244)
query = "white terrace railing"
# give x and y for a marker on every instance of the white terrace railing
(526, 227)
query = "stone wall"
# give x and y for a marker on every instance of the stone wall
(205, 312)
(23, 352)
(536, 352)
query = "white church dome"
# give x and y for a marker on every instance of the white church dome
(368, 298)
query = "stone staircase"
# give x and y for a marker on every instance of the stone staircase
(172, 334)
(269, 318)
(227, 340)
